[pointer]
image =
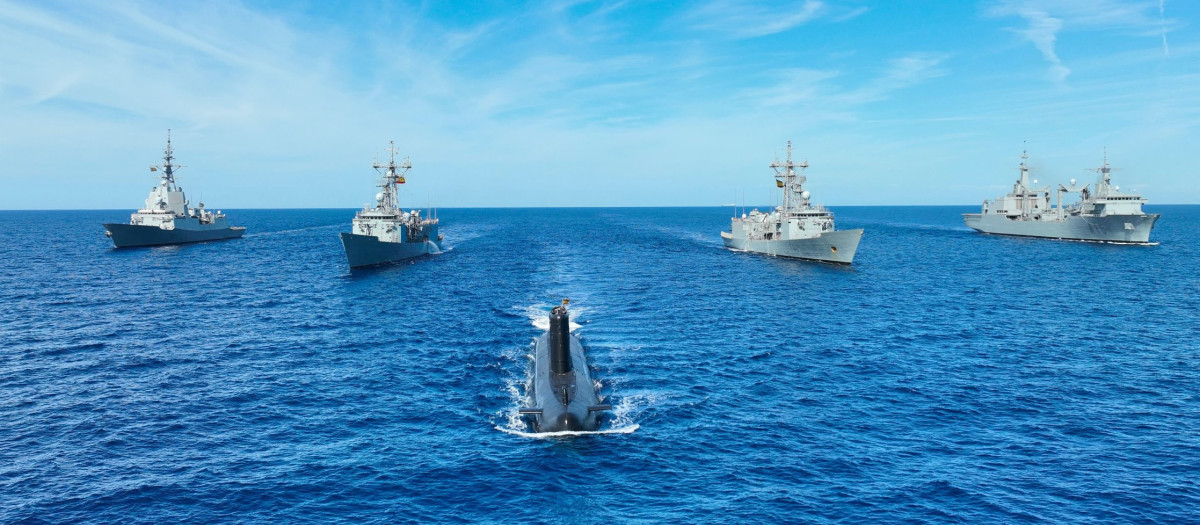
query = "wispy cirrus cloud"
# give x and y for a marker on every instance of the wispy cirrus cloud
(741, 19)
(909, 70)
(1162, 20)
(594, 102)
(818, 89)
(1047, 19)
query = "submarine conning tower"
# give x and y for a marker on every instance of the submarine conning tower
(560, 340)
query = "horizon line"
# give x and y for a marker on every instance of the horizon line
(571, 207)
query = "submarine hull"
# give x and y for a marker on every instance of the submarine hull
(566, 399)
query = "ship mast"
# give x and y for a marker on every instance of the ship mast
(1105, 178)
(1023, 180)
(168, 168)
(793, 181)
(393, 174)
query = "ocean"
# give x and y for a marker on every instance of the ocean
(945, 377)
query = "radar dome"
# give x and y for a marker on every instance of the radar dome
(804, 194)
(1072, 182)
(379, 196)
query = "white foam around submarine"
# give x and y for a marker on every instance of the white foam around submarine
(569, 433)
(539, 316)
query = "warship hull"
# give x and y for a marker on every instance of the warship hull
(368, 250)
(834, 247)
(1119, 229)
(134, 235)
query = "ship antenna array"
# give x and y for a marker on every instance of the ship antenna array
(168, 168)
(790, 176)
(392, 170)
(392, 175)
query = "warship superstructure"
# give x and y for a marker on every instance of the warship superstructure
(562, 392)
(167, 219)
(796, 228)
(385, 233)
(1102, 214)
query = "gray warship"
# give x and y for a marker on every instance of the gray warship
(563, 394)
(1104, 214)
(167, 219)
(796, 228)
(385, 233)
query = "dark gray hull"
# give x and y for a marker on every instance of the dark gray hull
(576, 414)
(129, 235)
(1118, 229)
(368, 250)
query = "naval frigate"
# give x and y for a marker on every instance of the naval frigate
(167, 219)
(385, 233)
(1104, 214)
(796, 228)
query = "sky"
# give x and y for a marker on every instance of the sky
(593, 103)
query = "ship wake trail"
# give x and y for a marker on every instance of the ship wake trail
(917, 226)
(462, 233)
(289, 232)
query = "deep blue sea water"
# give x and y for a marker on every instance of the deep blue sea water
(946, 376)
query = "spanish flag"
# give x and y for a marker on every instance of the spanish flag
(778, 183)
(399, 180)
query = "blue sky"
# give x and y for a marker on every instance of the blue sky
(286, 104)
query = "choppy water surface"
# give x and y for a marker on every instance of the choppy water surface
(947, 376)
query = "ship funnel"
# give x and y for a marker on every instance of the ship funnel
(560, 340)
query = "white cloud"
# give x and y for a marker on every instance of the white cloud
(1042, 32)
(1162, 19)
(741, 19)
(910, 70)
(816, 90)
(1046, 19)
(531, 107)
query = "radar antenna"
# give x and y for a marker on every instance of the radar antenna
(392, 175)
(788, 178)
(168, 167)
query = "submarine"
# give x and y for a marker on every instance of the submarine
(563, 394)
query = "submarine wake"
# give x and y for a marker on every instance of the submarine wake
(537, 317)
(568, 433)
(622, 421)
